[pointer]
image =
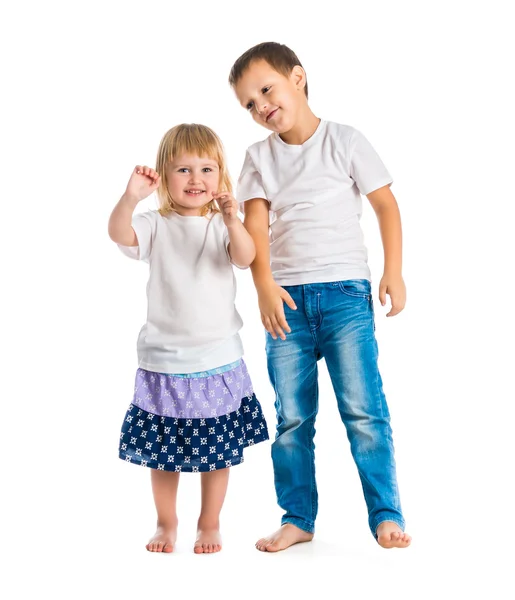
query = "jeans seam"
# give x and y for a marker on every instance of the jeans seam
(313, 481)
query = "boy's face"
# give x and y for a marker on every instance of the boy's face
(272, 99)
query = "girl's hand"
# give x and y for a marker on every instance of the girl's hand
(143, 182)
(228, 207)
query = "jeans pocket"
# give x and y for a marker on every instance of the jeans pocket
(356, 288)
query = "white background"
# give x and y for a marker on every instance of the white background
(89, 89)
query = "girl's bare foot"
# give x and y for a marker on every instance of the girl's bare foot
(163, 539)
(208, 541)
(283, 538)
(390, 535)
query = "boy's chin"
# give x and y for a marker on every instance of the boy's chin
(279, 128)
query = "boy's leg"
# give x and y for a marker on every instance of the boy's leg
(292, 367)
(164, 488)
(214, 487)
(349, 346)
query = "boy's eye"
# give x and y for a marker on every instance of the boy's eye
(265, 89)
(250, 105)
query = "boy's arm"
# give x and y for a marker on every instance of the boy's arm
(387, 211)
(270, 295)
(257, 224)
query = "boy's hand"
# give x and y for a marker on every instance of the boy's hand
(393, 285)
(228, 207)
(271, 297)
(142, 183)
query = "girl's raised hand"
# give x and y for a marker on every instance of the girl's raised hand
(228, 207)
(143, 182)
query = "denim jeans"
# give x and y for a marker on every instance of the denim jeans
(334, 321)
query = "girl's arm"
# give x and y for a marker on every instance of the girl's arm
(241, 246)
(142, 183)
(120, 222)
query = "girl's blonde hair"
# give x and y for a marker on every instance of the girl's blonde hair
(190, 138)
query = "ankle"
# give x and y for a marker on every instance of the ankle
(206, 522)
(168, 523)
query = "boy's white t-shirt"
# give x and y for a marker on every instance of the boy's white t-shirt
(314, 192)
(192, 322)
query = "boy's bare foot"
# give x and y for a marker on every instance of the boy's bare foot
(163, 539)
(283, 538)
(208, 541)
(390, 535)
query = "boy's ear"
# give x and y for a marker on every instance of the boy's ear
(298, 76)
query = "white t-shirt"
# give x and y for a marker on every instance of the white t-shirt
(314, 194)
(192, 322)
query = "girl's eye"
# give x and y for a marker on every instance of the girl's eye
(183, 170)
(207, 169)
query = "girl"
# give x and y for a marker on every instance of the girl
(194, 409)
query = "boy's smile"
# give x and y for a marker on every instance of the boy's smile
(272, 99)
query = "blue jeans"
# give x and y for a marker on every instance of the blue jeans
(334, 321)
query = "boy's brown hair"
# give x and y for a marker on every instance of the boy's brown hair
(278, 56)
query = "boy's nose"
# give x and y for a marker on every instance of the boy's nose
(261, 108)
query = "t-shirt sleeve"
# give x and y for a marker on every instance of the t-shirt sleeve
(250, 184)
(144, 225)
(366, 167)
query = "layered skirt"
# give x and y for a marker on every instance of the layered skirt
(195, 422)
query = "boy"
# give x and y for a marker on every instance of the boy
(313, 283)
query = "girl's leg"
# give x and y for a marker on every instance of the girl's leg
(164, 488)
(214, 487)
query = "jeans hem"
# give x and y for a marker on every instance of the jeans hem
(393, 519)
(300, 523)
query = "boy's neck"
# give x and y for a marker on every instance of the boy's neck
(307, 124)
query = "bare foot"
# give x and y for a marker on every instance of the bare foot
(390, 535)
(163, 539)
(283, 538)
(208, 541)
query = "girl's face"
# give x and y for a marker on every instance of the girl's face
(192, 180)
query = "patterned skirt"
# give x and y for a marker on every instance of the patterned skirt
(192, 423)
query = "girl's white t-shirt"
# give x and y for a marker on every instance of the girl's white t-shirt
(192, 322)
(314, 192)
